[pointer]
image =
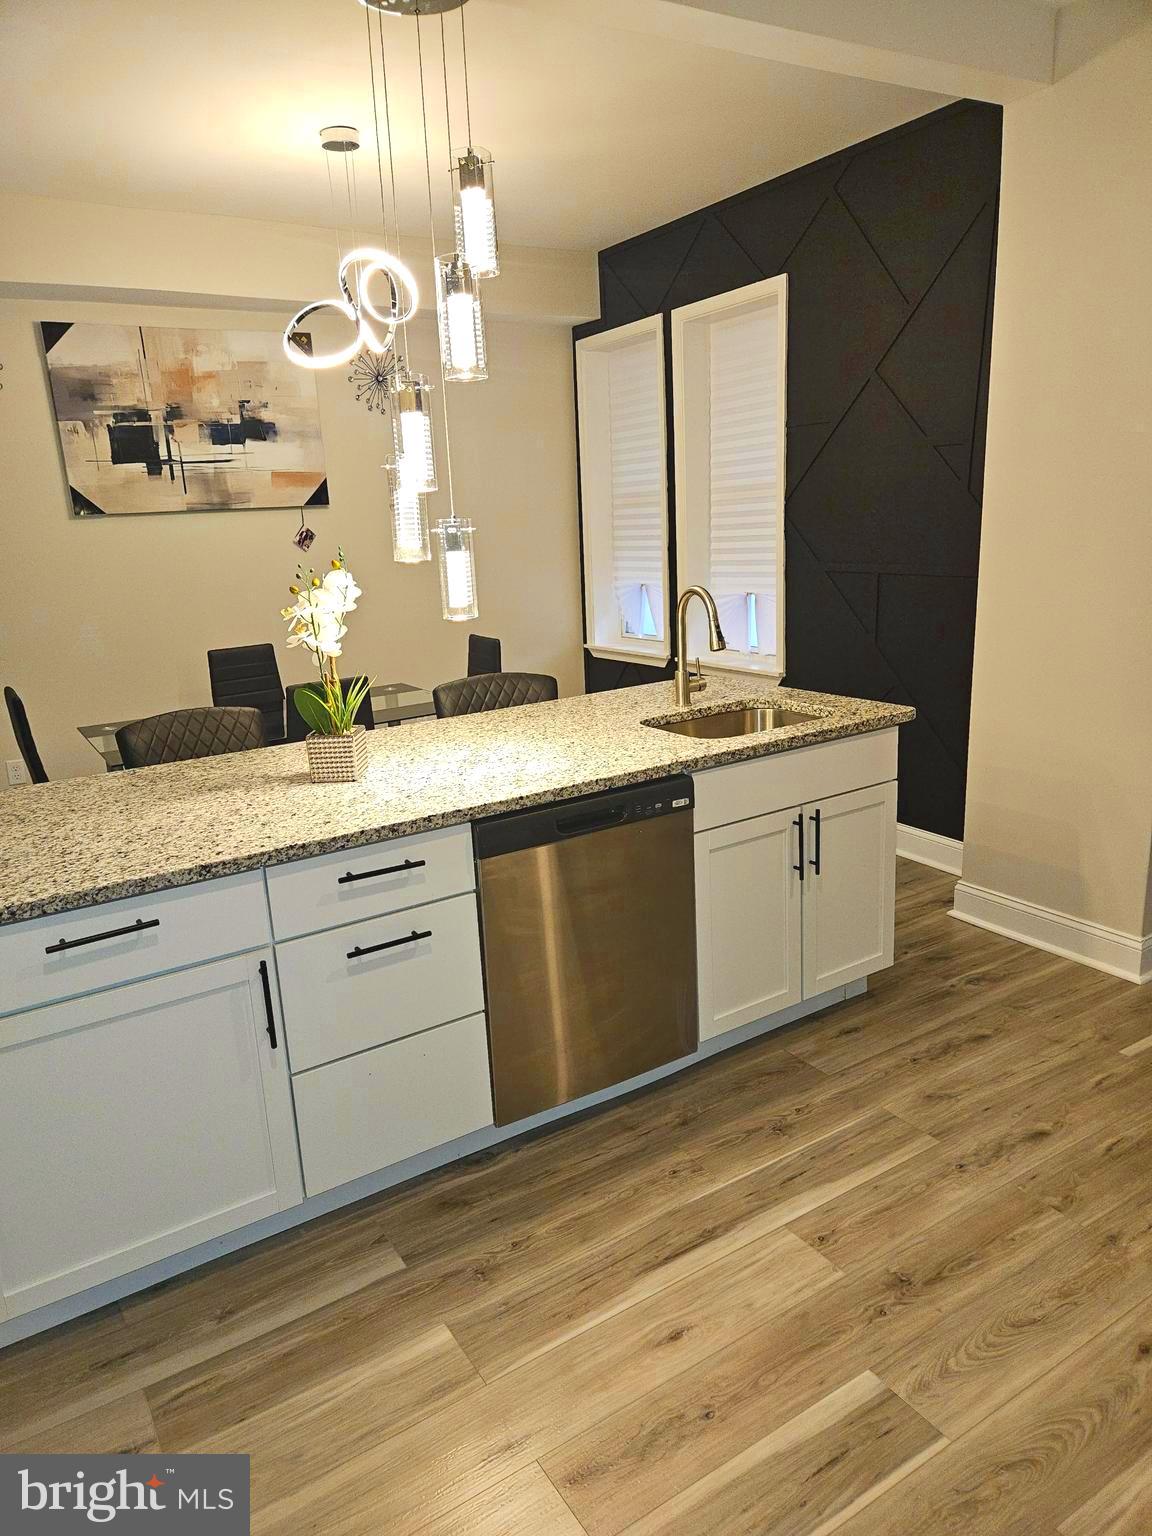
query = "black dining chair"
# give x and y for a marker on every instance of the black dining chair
(492, 690)
(483, 654)
(24, 738)
(248, 675)
(182, 734)
(297, 726)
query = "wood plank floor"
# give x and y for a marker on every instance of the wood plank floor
(886, 1271)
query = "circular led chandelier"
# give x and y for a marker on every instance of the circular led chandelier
(378, 295)
(356, 307)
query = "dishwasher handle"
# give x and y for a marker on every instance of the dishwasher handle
(591, 821)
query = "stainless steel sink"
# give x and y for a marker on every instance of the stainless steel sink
(735, 722)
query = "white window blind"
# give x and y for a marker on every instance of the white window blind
(636, 448)
(624, 490)
(744, 465)
(729, 355)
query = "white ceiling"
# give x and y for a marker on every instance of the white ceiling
(214, 107)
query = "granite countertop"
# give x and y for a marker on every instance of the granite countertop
(80, 841)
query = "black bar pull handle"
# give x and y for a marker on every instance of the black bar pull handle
(815, 820)
(371, 949)
(266, 983)
(799, 825)
(95, 938)
(393, 869)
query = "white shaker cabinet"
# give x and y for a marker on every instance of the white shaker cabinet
(849, 887)
(139, 1121)
(794, 903)
(749, 944)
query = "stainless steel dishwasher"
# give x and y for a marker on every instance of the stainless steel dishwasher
(588, 911)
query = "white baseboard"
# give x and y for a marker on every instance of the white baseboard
(1106, 949)
(946, 853)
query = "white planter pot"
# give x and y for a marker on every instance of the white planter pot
(337, 759)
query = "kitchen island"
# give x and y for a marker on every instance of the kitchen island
(232, 999)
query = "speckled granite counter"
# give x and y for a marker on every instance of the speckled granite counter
(95, 839)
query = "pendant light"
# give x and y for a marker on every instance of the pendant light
(412, 429)
(460, 316)
(457, 569)
(474, 208)
(410, 543)
(472, 191)
(413, 470)
(454, 535)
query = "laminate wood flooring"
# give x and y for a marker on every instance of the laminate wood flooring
(888, 1270)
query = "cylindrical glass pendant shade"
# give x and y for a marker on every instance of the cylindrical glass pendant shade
(412, 430)
(457, 569)
(410, 543)
(461, 321)
(475, 210)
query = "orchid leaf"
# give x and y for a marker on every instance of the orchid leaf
(312, 707)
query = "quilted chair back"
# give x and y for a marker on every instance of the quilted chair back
(186, 733)
(492, 690)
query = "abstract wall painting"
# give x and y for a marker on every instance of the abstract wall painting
(159, 419)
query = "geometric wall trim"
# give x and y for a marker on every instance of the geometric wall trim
(890, 250)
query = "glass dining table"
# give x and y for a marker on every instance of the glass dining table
(392, 704)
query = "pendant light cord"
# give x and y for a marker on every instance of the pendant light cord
(332, 207)
(376, 123)
(447, 104)
(467, 97)
(353, 200)
(402, 350)
(432, 235)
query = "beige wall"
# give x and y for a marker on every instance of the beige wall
(55, 249)
(112, 617)
(1060, 765)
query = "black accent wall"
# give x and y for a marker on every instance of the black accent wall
(889, 247)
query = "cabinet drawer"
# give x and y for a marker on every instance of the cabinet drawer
(761, 785)
(365, 882)
(369, 1111)
(337, 1001)
(179, 927)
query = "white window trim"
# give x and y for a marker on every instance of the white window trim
(595, 495)
(687, 575)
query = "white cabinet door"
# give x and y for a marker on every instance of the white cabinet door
(850, 887)
(747, 921)
(138, 1122)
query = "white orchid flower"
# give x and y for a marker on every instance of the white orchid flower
(341, 590)
(327, 637)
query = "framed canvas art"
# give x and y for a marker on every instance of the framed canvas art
(160, 419)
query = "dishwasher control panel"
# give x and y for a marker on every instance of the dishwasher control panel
(660, 805)
(575, 818)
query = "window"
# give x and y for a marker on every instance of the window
(620, 387)
(728, 368)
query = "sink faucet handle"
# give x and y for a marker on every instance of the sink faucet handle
(697, 680)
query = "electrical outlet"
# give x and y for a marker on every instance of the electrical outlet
(17, 773)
